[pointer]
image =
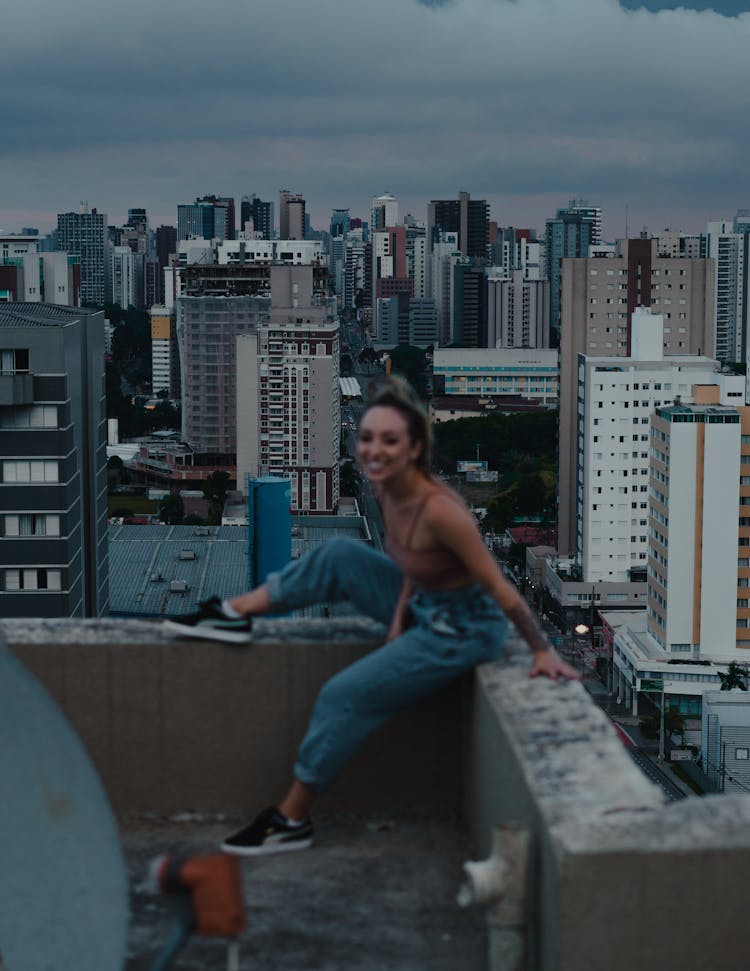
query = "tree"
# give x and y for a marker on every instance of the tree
(172, 509)
(411, 363)
(348, 481)
(735, 677)
(215, 489)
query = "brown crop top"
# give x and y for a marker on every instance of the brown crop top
(432, 568)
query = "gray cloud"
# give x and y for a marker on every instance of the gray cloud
(524, 102)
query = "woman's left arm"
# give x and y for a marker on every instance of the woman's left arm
(453, 526)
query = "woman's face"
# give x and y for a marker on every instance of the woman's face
(384, 448)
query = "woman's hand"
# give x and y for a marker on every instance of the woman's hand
(549, 664)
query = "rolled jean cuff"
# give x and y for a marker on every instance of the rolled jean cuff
(273, 585)
(308, 779)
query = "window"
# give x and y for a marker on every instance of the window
(14, 361)
(32, 524)
(33, 470)
(35, 579)
(742, 754)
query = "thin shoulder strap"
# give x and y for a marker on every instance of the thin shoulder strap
(416, 517)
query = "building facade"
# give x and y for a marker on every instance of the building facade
(165, 357)
(615, 401)
(600, 295)
(499, 371)
(517, 310)
(53, 512)
(84, 234)
(568, 236)
(207, 329)
(468, 218)
(289, 421)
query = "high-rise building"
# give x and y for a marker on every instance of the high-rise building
(84, 234)
(383, 212)
(53, 462)
(699, 531)
(440, 263)
(615, 401)
(207, 331)
(166, 247)
(261, 213)
(469, 218)
(729, 244)
(165, 358)
(126, 276)
(195, 219)
(517, 310)
(568, 236)
(389, 275)
(468, 321)
(291, 215)
(340, 222)
(599, 297)
(423, 326)
(209, 217)
(288, 417)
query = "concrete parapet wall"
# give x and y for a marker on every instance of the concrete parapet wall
(619, 878)
(188, 725)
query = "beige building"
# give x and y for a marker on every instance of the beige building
(599, 295)
(288, 411)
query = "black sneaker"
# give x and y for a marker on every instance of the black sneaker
(210, 621)
(269, 832)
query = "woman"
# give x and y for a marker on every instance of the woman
(439, 591)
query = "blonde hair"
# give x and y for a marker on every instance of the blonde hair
(395, 392)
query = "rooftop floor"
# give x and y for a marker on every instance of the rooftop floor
(372, 894)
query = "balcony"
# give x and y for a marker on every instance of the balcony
(16, 389)
(186, 736)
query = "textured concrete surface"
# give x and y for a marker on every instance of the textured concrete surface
(373, 894)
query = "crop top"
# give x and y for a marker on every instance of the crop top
(431, 568)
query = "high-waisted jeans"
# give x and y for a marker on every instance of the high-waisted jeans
(450, 632)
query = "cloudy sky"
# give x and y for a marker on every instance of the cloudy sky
(524, 102)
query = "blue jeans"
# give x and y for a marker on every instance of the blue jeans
(451, 632)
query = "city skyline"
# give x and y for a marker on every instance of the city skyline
(526, 104)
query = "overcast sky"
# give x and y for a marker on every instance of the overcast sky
(524, 102)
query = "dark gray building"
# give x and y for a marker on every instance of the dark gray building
(53, 486)
(84, 234)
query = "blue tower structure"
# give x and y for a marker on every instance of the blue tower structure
(270, 526)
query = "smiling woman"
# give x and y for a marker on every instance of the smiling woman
(439, 592)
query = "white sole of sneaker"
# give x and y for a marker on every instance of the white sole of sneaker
(266, 848)
(207, 633)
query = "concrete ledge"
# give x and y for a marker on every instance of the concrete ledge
(619, 878)
(188, 725)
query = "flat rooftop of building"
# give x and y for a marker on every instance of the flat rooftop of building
(157, 571)
(486, 404)
(373, 893)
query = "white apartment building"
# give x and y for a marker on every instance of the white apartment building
(124, 275)
(526, 255)
(518, 312)
(296, 252)
(288, 400)
(615, 400)
(698, 613)
(445, 254)
(165, 358)
(532, 374)
(383, 211)
(697, 563)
